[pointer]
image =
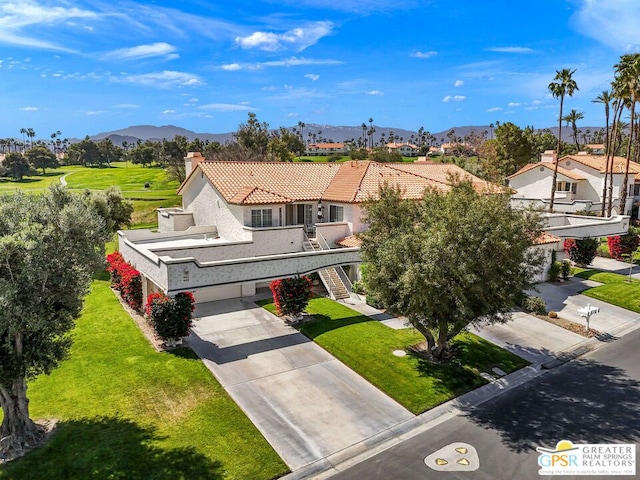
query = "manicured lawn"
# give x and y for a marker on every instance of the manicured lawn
(367, 347)
(36, 183)
(127, 412)
(614, 289)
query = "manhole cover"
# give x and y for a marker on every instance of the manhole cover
(399, 353)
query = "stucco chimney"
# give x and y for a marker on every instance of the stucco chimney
(191, 160)
(549, 156)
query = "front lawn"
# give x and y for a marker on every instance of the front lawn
(367, 346)
(615, 289)
(127, 412)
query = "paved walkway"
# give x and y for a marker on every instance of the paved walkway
(306, 403)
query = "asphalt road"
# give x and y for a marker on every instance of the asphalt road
(595, 399)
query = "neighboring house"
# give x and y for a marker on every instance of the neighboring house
(404, 149)
(326, 149)
(579, 183)
(596, 148)
(243, 224)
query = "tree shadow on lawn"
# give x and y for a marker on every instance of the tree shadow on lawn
(587, 274)
(584, 401)
(323, 324)
(110, 447)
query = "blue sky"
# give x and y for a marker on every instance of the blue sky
(85, 67)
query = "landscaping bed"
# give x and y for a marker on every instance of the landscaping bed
(367, 347)
(569, 325)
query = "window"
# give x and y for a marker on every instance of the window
(261, 218)
(574, 188)
(563, 187)
(336, 213)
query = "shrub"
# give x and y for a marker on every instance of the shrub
(603, 250)
(291, 295)
(566, 269)
(582, 251)
(622, 246)
(534, 305)
(358, 287)
(553, 315)
(554, 271)
(170, 317)
(126, 279)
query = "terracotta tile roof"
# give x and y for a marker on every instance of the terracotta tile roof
(572, 174)
(257, 196)
(294, 181)
(546, 239)
(243, 183)
(398, 145)
(599, 162)
(350, 241)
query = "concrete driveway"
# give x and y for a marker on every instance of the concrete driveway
(306, 403)
(529, 337)
(566, 300)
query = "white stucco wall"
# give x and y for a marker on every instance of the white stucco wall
(209, 208)
(535, 183)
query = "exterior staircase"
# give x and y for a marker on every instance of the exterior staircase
(329, 276)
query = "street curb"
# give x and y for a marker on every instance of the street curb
(343, 459)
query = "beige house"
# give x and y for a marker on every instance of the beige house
(404, 149)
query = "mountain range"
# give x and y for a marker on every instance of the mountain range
(329, 132)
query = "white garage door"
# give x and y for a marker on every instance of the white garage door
(212, 294)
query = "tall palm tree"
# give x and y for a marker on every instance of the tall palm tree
(372, 131)
(364, 134)
(572, 118)
(563, 84)
(605, 98)
(628, 81)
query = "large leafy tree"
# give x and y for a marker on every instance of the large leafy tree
(41, 157)
(253, 136)
(451, 259)
(16, 165)
(563, 84)
(49, 246)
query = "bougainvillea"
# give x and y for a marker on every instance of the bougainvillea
(126, 279)
(291, 295)
(620, 247)
(582, 252)
(170, 317)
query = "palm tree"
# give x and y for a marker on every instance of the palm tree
(23, 131)
(605, 99)
(563, 84)
(364, 134)
(372, 131)
(491, 129)
(571, 118)
(628, 81)
(31, 134)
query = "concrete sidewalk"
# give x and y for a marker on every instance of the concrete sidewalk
(306, 403)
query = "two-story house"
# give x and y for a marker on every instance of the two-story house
(579, 183)
(404, 149)
(243, 224)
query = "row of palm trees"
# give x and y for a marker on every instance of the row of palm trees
(57, 144)
(623, 96)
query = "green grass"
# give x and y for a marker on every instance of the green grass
(126, 411)
(366, 346)
(615, 288)
(36, 183)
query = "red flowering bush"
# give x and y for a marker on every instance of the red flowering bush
(126, 279)
(625, 245)
(582, 252)
(291, 295)
(170, 317)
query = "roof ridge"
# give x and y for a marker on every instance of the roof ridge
(416, 174)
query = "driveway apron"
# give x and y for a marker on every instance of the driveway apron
(306, 403)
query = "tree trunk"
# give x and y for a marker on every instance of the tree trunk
(555, 167)
(624, 187)
(18, 432)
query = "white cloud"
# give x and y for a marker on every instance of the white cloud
(95, 112)
(536, 102)
(164, 79)
(613, 23)
(494, 109)
(287, 62)
(458, 83)
(18, 17)
(292, 114)
(226, 107)
(374, 92)
(297, 39)
(419, 54)
(312, 76)
(509, 49)
(455, 98)
(167, 112)
(126, 105)
(231, 67)
(513, 104)
(159, 49)
(29, 109)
